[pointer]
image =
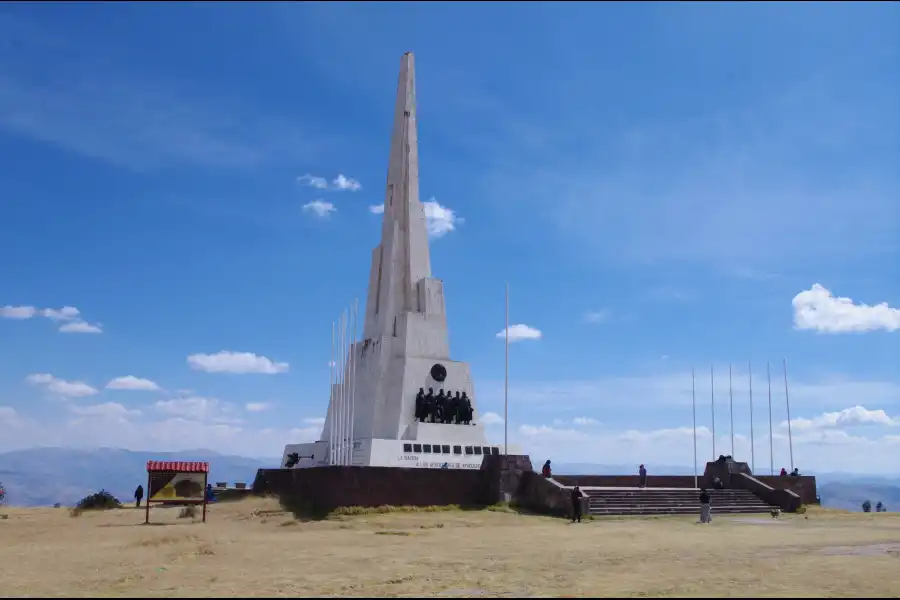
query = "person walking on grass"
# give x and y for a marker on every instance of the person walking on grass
(577, 495)
(705, 510)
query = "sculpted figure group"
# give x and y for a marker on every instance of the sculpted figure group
(443, 408)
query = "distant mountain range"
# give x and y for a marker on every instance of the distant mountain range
(45, 476)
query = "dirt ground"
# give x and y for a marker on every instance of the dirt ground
(251, 548)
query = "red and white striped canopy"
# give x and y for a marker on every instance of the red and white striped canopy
(178, 466)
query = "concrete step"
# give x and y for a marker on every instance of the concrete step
(694, 499)
(690, 501)
(677, 510)
(659, 492)
(649, 501)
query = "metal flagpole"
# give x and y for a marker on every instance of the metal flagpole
(712, 403)
(331, 404)
(787, 401)
(506, 381)
(694, 405)
(752, 447)
(353, 379)
(771, 445)
(731, 408)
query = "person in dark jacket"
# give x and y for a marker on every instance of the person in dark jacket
(705, 511)
(138, 496)
(642, 477)
(577, 494)
(545, 471)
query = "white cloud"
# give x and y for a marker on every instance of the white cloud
(66, 313)
(346, 183)
(440, 220)
(81, 327)
(340, 183)
(235, 362)
(69, 316)
(17, 312)
(849, 417)
(520, 332)
(547, 432)
(72, 389)
(665, 388)
(578, 421)
(130, 382)
(318, 421)
(106, 409)
(197, 408)
(320, 183)
(816, 309)
(596, 316)
(9, 418)
(319, 208)
(491, 418)
(257, 406)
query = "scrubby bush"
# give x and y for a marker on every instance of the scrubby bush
(187, 512)
(102, 500)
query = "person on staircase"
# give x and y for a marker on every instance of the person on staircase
(545, 470)
(705, 510)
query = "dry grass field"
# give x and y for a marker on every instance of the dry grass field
(252, 548)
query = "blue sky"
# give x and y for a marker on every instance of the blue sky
(661, 184)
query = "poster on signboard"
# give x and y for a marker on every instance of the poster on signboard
(177, 487)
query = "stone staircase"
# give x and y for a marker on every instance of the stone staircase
(670, 501)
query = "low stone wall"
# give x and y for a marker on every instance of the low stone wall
(787, 500)
(323, 489)
(802, 485)
(501, 478)
(657, 481)
(547, 496)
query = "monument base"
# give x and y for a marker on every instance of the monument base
(454, 451)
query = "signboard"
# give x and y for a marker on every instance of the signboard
(177, 487)
(176, 482)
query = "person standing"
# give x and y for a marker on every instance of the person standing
(138, 496)
(577, 494)
(642, 476)
(705, 510)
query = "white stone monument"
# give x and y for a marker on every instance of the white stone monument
(405, 346)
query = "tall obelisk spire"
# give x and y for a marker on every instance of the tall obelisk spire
(402, 258)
